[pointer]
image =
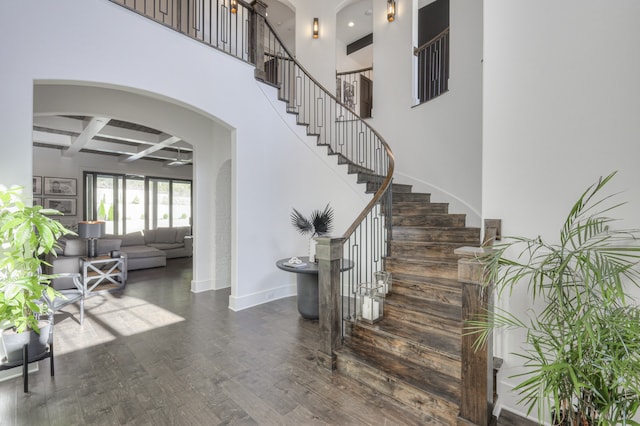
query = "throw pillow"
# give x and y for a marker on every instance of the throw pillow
(165, 235)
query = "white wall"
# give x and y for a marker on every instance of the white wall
(167, 81)
(317, 55)
(438, 144)
(561, 104)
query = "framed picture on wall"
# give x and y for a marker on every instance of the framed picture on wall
(37, 201)
(66, 206)
(59, 186)
(349, 94)
(37, 184)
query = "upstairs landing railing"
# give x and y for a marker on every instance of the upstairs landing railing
(208, 21)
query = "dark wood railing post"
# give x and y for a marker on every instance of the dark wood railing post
(329, 254)
(476, 402)
(256, 40)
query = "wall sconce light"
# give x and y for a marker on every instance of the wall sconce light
(391, 10)
(315, 27)
(234, 6)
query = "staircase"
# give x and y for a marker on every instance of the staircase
(413, 353)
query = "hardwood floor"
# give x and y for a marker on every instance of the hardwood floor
(157, 354)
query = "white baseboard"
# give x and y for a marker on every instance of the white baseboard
(17, 372)
(200, 286)
(244, 302)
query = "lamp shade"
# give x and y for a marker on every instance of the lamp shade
(90, 229)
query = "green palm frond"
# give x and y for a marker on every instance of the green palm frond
(582, 344)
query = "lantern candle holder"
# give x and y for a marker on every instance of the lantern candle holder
(383, 279)
(370, 303)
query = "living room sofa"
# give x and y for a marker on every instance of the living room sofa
(152, 248)
(142, 249)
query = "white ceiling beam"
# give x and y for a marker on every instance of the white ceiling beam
(51, 138)
(166, 142)
(129, 135)
(92, 128)
(57, 122)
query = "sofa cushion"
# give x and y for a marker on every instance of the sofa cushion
(138, 252)
(181, 232)
(150, 236)
(166, 246)
(106, 245)
(76, 247)
(133, 239)
(165, 235)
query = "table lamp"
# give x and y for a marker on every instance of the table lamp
(92, 230)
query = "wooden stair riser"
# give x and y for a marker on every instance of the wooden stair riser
(464, 236)
(423, 320)
(373, 187)
(415, 250)
(438, 220)
(376, 180)
(409, 350)
(427, 291)
(443, 412)
(418, 209)
(352, 168)
(421, 268)
(412, 197)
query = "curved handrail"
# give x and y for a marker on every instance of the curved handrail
(386, 183)
(361, 70)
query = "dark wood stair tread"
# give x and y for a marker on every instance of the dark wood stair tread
(427, 307)
(448, 284)
(423, 378)
(449, 345)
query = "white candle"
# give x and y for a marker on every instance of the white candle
(366, 307)
(384, 286)
(370, 308)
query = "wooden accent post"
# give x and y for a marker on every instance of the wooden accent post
(256, 48)
(329, 254)
(476, 402)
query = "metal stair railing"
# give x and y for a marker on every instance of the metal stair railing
(336, 126)
(357, 145)
(208, 21)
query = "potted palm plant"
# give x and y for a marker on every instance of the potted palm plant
(582, 344)
(319, 223)
(26, 235)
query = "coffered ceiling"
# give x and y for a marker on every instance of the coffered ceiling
(104, 136)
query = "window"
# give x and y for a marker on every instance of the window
(433, 50)
(133, 203)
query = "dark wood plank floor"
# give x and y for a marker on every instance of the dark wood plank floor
(157, 354)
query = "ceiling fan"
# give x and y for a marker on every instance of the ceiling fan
(179, 161)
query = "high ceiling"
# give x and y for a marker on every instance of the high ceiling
(131, 142)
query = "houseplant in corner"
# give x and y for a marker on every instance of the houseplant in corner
(26, 235)
(319, 223)
(582, 334)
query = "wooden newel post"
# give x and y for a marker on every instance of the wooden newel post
(329, 255)
(256, 49)
(476, 402)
